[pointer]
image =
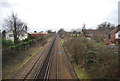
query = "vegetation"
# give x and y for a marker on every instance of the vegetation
(7, 43)
(75, 35)
(98, 38)
(10, 44)
(95, 59)
(83, 30)
(14, 24)
(105, 25)
(14, 62)
(49, 31)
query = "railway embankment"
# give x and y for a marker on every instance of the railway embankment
(12, 66)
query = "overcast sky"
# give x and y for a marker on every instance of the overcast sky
(41, 15)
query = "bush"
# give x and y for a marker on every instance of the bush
(7, 43)
(97, 60)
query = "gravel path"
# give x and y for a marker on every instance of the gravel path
(59, 68)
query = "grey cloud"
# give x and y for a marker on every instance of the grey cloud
(6, 4)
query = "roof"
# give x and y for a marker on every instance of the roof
(116, 29)
(90, 31)
(98, 31)
(37, 35)
(20, 31)
(118, 32)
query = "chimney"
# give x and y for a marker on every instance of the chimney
(35, 31)
(118, 28)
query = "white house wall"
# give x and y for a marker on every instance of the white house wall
(22, 38)
(117, 35)
(12, 38)
(9, 38)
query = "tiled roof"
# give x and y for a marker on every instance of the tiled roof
(115, 30)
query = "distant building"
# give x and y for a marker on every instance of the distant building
(22, 35)
(98, 32)
(90, 32)
(61, 32)
(117, 35)
(114, 35)
(39, 34)
(3, 34)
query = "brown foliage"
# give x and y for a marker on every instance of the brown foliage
(98, 60)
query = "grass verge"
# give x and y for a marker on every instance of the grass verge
(81, 73)
(11, 67)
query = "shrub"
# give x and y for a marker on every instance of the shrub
(97, 60)
(7, 43)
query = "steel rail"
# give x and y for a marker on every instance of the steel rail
(48, 45)
(43, 71)
(57, 71)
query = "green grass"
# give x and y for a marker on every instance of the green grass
(62, 41)
(75, 35)
(81, 73)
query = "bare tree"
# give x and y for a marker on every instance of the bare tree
(49, 31)
(15, 24)
(105, 25)
(84, 30)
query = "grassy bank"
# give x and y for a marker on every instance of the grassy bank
(92, 60)
(11, 67)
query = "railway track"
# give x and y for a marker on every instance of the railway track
(43, 72)
(44, 67)
(50, 63)
(57, 72)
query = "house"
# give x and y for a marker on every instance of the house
(22, 35)
(0, 34)
(117, 35)
(3, 34)
(38, 35)
(98, 32)
(61, 32)
(114, 35)
(90, 32)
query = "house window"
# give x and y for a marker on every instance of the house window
(109, 36)
(22, 35)
(10, 35)
(118, 35)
